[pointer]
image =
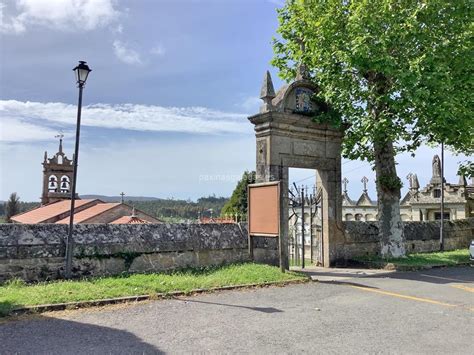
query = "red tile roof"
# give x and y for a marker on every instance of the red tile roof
(46, 212)
(90, 212)
(129, 220)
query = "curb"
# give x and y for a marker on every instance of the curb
(102, 302)
(391, 266)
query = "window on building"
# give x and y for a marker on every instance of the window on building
(437, 216)
(437, 193)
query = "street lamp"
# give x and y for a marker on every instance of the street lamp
(82, 72)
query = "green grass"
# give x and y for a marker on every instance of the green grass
(448, 258)
(16, 293)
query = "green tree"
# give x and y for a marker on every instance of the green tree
(399, 72)
(12, 206)
(238, 201)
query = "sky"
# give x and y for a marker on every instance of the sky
(165, 106)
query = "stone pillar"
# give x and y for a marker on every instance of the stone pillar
(267, 173)
(333, 234)
(415, 214)
(424, 213)
(284, 216)
(452, 215)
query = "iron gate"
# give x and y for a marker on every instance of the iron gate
(305, 235)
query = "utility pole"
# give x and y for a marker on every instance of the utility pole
(441, 227)
(302, 227)
(311, 227)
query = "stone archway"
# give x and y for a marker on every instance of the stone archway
(288, 138)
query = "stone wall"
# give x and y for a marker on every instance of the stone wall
(36, 252)
(361, 237)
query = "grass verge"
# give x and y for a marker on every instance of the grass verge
(16, 294)
(422, 260)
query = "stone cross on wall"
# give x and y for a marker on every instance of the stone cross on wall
(122, 194)
(345, 181)
(365, 181)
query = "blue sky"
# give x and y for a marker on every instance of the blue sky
(165, 105)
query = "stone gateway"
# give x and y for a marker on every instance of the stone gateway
(287, 137)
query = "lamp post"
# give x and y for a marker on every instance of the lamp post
(82, 71)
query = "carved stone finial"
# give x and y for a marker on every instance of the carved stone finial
(60, 136)
(413, 182)
(409, 178)
(462, 181)
(436, 165)
(345, 181)
(267, 93)
(365, 181)
(302, 72)
(45, 156)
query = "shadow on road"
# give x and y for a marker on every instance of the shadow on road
(439, 276)
(258, 309)
(347, 283)
(464, 274)
(45, 335)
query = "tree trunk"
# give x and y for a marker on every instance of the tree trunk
(388, 195)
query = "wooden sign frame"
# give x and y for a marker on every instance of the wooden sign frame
(264, 209)
(271, 225)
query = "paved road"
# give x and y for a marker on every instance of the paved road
(428, 312)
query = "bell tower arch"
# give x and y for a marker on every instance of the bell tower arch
(57, 176)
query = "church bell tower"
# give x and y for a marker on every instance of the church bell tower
(57, 176)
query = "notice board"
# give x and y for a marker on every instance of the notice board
(264, 209)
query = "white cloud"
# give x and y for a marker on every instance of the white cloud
(125, 54)
(171, 167)
(59, 14)
(124, 116)
(118, 29)
(158, 50)
(14, 130)
(12, 25)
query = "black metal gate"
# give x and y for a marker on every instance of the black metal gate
(305, 244)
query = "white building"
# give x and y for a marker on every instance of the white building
(417, 205)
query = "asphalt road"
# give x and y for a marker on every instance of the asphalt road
(429, 312)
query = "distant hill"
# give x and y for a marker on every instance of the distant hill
(170, 209)
(164, 209)
(119, 198)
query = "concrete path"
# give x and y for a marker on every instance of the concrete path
(429, 312)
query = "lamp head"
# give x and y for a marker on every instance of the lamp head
(82, 72)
